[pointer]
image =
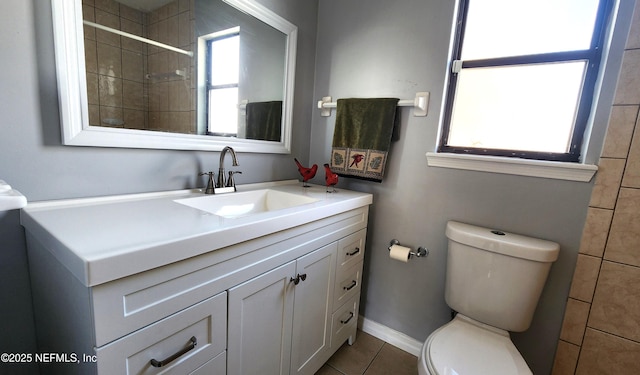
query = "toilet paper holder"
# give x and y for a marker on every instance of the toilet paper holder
(421, 252)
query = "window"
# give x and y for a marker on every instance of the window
(223, 61)
(523, 76)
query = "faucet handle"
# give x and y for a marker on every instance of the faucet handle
(210, 185)
(231, 181)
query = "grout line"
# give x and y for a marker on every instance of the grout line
(337, 370)
(614, 335)
(374, 357)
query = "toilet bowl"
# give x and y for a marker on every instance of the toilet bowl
(466, 347)
(493, 281)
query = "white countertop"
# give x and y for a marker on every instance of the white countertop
(10, 199)
(106, 238)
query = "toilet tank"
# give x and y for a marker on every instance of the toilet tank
(496, 277)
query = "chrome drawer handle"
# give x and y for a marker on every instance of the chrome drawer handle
(348, 319)
(192, 344)
(353, 284)
(354, 252)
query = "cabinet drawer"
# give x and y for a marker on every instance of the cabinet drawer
(345, 322)
(216, 366)
(205, 322)
(348, 285)
(350, 251)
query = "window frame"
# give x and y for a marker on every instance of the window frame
(586, 103)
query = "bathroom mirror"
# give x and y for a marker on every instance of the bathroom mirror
(183, 74)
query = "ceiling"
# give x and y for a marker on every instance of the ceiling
(145, 5)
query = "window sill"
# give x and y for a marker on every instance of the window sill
(520, 167)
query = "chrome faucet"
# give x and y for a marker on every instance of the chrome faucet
(221, 174)
(210, 185)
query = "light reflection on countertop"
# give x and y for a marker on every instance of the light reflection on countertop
(102, 239)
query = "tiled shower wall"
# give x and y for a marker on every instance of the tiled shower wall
(172, 88)
(601, 328)
(132, 84)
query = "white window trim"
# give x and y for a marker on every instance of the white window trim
(581, 172)
(514, 166)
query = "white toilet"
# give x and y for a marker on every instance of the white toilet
(494, 280)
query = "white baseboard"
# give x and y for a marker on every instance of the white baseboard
(393, 337)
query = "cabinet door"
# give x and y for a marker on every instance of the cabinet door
(312, 311)
(260, 322)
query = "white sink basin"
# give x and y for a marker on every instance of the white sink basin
(233, 205)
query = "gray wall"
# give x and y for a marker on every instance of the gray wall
(33, 161)
(396, 48)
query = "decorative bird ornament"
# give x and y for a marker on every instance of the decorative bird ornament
(357, 158)
(330, 178)
(306, 173)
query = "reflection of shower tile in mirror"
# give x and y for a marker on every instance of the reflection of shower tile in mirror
(152, 33)
(109, 20)
(132, 95)
(134, 119)
(184, 63)
(185, 5)
(161, 13)
(110, 91)
(173, 63)
(173, 30)
(110, 6)
(94, 115)
(130, 14)
(184, 33)
(163, 32)
(152, 17)
(173, 8)
(179, 122)
(120, 92)
(91, 55)
(132, 28)
(132, 66)
(109, 60)
(158, 96)
(158, 120)
(179, 96)
(111, 116)
(92, 88)
(159, 62)
(88, 13)
(168, 31)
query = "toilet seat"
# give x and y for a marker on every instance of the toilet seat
(467, 347)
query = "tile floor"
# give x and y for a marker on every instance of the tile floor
(370, 356)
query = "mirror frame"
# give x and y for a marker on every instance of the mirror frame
(68, 36)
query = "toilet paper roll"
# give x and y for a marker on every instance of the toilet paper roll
(400, 253)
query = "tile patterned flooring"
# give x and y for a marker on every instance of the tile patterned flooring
(370, 356)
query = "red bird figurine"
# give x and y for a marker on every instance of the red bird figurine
(330, 178)
(306, 173)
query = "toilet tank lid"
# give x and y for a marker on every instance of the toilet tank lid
(496, 241)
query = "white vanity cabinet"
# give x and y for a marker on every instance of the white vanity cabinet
(276, 303)
(279, 322)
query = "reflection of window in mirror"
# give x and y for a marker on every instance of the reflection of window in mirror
(223, 61)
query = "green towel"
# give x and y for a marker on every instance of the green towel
(264, 120)
(362, 137)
